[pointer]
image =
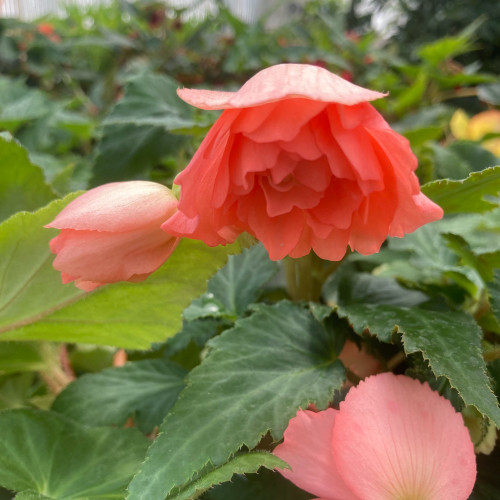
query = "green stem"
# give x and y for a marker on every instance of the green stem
(305, 276)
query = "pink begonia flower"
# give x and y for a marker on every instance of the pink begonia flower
(392, 439)
(300, 160)
(112, 233)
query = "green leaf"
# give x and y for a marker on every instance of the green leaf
(45, 453)
(466, 195)
(22, 184)
(252, 381)
(144, 389)
(348, 287)
(241, 464)
(34, 305)
(21, 356)
(265, 485)
(138, 133)
(450, 341)
(489, 93)
(494, 291)
(237, 285)
(31, 495)
(20, 104)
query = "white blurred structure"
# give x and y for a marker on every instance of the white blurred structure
(247, 10)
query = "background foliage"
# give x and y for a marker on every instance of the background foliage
(90, 98)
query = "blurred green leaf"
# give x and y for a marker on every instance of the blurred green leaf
(253, 379)
(489, 93)
(34, 305)
(22, 184)
(20, 104)
(66, 460)
(21, 356)
(141, 128)
(144, 390)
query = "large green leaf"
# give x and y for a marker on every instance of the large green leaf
(466, 195)
(43, 452)
(252, 381)
(450, 341)
(138, 133)
(144, 389)
(241, 464)
(34, 305)
(22, 184)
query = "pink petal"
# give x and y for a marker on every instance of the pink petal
(117, 207)
(103, 257)
(281, 82)
(286, 120)
(396, 438)
(307, 449)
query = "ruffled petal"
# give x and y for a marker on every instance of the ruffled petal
(283, 81)
(396, 438)
(307, 449)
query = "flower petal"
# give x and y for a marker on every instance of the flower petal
(117, 207)
(281, 82)
(396, 438)
(307, 449)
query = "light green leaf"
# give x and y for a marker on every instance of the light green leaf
(144, 389)
(31, 495)
(466, 195)
(21, 356)
(22, 184)
(34, 305)
(252, 381)
(241, 464)
(45, 453)
(450, 341)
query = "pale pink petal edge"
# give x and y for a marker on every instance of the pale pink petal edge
(307, 449)
(283, 81)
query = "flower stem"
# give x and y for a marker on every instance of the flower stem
(305, 276)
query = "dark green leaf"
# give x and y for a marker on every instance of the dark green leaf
(252, 381)
(237, 285)
(144, 389)
(240, 464)
(45, 453)
(138, 133)
(364, 288)
(265, 485)
(450, 341)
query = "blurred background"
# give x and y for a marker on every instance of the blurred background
(88, 87)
